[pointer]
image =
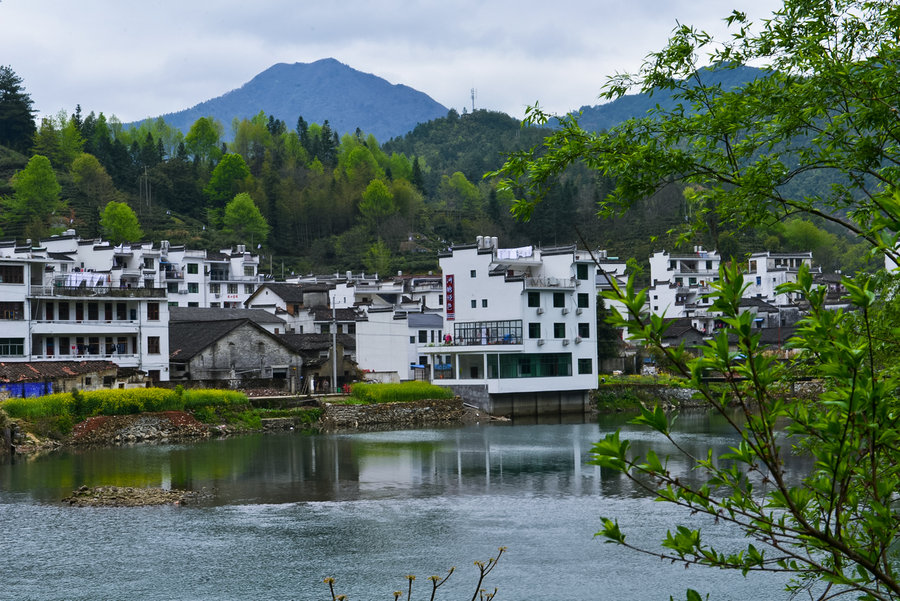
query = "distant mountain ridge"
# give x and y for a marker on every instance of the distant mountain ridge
(604, 116)
(324, 89)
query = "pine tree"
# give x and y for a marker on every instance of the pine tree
(17, 126)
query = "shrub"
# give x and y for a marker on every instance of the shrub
(212, 398)
(398, 393)
(34, 408)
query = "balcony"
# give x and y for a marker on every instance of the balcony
(85, 327)
(95, 291)
(120, 359)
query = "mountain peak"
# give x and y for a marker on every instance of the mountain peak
(324, 89)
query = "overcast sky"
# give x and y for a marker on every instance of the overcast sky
(141, 59)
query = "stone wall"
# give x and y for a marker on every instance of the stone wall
(396, 414)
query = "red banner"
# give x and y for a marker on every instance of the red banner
(449, 296)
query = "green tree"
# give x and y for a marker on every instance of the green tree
(230, 176)
(378, 258)
(34, 206)
(119, 223)
(93, 189)
(16, 113)
(377, 203)
(825, 106)
(244, 222)
(202, 140)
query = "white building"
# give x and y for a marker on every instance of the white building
(51, 313)
(767, 270)
(191, 278)
(522, 328)
(679, 281)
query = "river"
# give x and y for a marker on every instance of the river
(364, 508)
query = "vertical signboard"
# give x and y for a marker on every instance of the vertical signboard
(450, 297)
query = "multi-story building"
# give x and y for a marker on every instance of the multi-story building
(53, 313)
(767, 270)
(679, 281)
(519, 327)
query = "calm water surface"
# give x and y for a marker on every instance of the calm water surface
(365, 508)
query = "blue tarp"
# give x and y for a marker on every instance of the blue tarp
(28, 389)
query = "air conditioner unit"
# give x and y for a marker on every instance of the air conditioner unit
(217, 295)
(566, 342)
(540, 310)
(565, 310)
(540, 342)
(578, 311)
(577, 339)
(182, 292)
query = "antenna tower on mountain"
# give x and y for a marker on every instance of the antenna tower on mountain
(474, 91)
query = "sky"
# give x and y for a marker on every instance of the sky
(142, 59)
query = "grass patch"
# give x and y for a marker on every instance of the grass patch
(404, 392)
(78, 405)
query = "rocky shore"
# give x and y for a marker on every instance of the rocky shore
(166, 426)
(127, 496)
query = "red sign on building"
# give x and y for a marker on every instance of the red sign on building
(450, 293)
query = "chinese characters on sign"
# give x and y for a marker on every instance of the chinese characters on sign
(450, 292)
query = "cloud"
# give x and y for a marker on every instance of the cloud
(136, 60)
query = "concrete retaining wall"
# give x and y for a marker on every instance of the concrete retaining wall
(397, 414)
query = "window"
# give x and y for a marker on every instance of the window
(193, 287)
(412, 339)
(93, 312)
(122, 311)
(215, 305)
(153, 311)
(249, 270)
(559, 299)
(440, 300)
(64, 345)
(351, 328)
(232, 288)
(326, 329)
(488, 332)
(215, 288)
(472, 273)
(148, 262)
(423, 336)
(172, 287)
(758, 280)
(584, 330)
(534, 299)
(581, 271)
(192, 268)
(12, 347)
(153, 345)
(484, 302)
(559, 330)
(534, 330)
(584, 301)
(584, 366)
(64, 311)
(16, 311)
(12, 274)
(194, 304)
(248, 288)
(474, 303)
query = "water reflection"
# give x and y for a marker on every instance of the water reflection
(366, 508)
(537, 459)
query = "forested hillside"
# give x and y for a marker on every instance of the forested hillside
(312, 201)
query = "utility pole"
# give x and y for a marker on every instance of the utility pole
(333, 344)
